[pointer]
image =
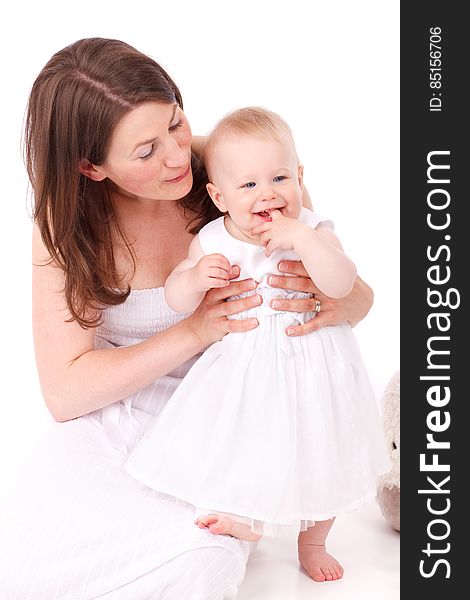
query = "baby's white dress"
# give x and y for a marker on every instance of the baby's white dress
(76, 526)
(276, 431)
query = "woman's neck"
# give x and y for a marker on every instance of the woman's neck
(135, 206)
(157, 237)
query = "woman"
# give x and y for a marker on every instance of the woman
(117, 202)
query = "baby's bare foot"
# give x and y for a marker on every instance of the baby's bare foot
(223, 525)
(320, 565)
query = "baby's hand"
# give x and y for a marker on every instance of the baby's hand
(281, 232)
(212, 271)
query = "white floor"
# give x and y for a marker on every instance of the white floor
(362, 541)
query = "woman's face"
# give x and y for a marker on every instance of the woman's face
(150, 153)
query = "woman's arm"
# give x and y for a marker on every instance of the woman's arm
(76, 379)
(198, 144)
(306, 199)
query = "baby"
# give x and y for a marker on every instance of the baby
(266, 432)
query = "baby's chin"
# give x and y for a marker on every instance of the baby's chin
(242, 231)
(254, 239)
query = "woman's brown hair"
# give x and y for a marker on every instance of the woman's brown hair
(74, 106)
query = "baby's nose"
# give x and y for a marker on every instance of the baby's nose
(267, 194)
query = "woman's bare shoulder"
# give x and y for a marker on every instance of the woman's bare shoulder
(40, 253)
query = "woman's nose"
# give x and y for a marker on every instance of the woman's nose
(175, 155)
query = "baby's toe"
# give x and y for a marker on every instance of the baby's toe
(339, 571)
(317, 574)
(334, 574)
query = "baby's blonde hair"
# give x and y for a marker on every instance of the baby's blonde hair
(252, 120)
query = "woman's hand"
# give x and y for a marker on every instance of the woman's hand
(209, 321)
(352, 308)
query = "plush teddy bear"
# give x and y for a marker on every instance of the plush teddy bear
(388, 487)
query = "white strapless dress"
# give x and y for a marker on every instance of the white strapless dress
(76, 526)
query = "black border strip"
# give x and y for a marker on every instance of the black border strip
(440, 196)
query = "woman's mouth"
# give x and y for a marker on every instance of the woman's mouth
(180, 177)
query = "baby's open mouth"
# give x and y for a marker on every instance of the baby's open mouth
(266, 214)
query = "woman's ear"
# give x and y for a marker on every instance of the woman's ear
(89, 170)
(216, 196)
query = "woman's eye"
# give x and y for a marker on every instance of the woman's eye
(250, 184)
(149, 154)
(176, 125)
(279, 178)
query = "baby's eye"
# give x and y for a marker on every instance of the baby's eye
(250, 184)
(279, 178)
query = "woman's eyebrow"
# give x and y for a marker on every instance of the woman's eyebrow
(156, 138)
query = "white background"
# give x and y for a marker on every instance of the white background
(329, 68)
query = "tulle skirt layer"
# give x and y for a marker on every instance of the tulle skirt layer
(278, 432)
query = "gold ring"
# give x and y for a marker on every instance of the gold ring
(317, 308)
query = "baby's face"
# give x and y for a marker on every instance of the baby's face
(255, 175)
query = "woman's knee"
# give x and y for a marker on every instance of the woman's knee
(212, 573)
